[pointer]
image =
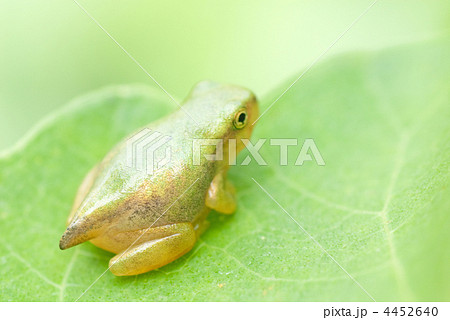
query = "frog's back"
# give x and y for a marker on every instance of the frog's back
(128, 196)
(134, 187)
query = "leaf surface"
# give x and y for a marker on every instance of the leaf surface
(379, 207)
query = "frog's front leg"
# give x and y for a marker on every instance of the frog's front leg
(153, 254)
(221, 195)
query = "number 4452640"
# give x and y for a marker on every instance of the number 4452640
(410, 311)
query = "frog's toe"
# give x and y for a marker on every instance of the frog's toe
(155, 253)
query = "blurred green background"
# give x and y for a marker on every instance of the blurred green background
(50, 51)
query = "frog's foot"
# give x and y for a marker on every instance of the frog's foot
(155, 253)
(221, 195)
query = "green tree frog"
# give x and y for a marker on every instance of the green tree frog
(150, 220)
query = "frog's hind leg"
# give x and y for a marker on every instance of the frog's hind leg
(153, 254)
(221, 195)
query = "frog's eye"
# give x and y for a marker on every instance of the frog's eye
(240, 119)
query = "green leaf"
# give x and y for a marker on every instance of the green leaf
(379, 206)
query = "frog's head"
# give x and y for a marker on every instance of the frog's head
(224, 111)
